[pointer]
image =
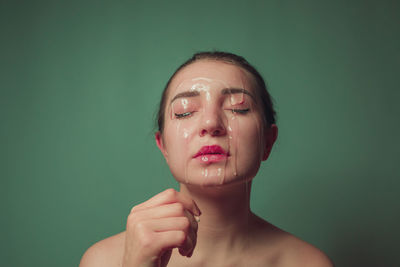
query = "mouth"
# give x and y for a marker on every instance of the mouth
(210, 154)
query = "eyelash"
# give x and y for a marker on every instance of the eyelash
(187, 114)
(182, 115)
(240, 111)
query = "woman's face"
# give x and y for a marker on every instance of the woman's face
(213, 131)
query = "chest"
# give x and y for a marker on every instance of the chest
(252, 260)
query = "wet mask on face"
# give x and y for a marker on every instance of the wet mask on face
(216, 131)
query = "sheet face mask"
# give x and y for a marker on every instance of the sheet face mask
(206, 114)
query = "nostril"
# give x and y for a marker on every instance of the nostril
(212, 128)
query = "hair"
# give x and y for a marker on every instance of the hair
(267, 107)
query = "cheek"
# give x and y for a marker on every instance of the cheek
(248, 140)
(177, 139)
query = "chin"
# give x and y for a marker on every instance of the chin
(214, 180)
(215, 175)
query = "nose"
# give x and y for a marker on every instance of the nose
(212, 124)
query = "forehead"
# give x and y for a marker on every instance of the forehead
(229, 74)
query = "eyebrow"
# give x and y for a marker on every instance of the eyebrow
(185, 94)
(225, 91)
(228, 91)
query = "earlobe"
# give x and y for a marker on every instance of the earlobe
(271, 135)
(160, 145)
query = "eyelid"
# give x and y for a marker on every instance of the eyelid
(183, 107)
(244, 105)
(183, 115)
(240, 111)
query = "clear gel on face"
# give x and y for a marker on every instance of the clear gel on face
(202, 104)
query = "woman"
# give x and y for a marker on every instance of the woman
(216, 124)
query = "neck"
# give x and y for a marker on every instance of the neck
(224, 222)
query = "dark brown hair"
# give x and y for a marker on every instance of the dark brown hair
(268, 112)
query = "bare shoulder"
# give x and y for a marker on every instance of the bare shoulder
(301, 253)
(107, 252)
(288, 250)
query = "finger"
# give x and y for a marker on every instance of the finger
(169, 224)
(169, 196)
(163, 211)
(171, 239)
(189, 227)
(175, 224)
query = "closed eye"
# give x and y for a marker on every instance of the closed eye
(240, 111)
(182, 115)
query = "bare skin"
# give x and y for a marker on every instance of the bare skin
(165, 231)
(256, 243)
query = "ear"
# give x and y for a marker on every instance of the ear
(270, 136)
(160, 145)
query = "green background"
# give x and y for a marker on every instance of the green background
(81, 81)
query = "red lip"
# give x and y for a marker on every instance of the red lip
(214, 149)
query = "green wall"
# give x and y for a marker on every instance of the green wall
(80, 83)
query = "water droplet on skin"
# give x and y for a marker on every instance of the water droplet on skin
(184, 103)
(237, 99)
(235, 144)
(208, 96)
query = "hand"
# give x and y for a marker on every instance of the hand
(155, 227)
